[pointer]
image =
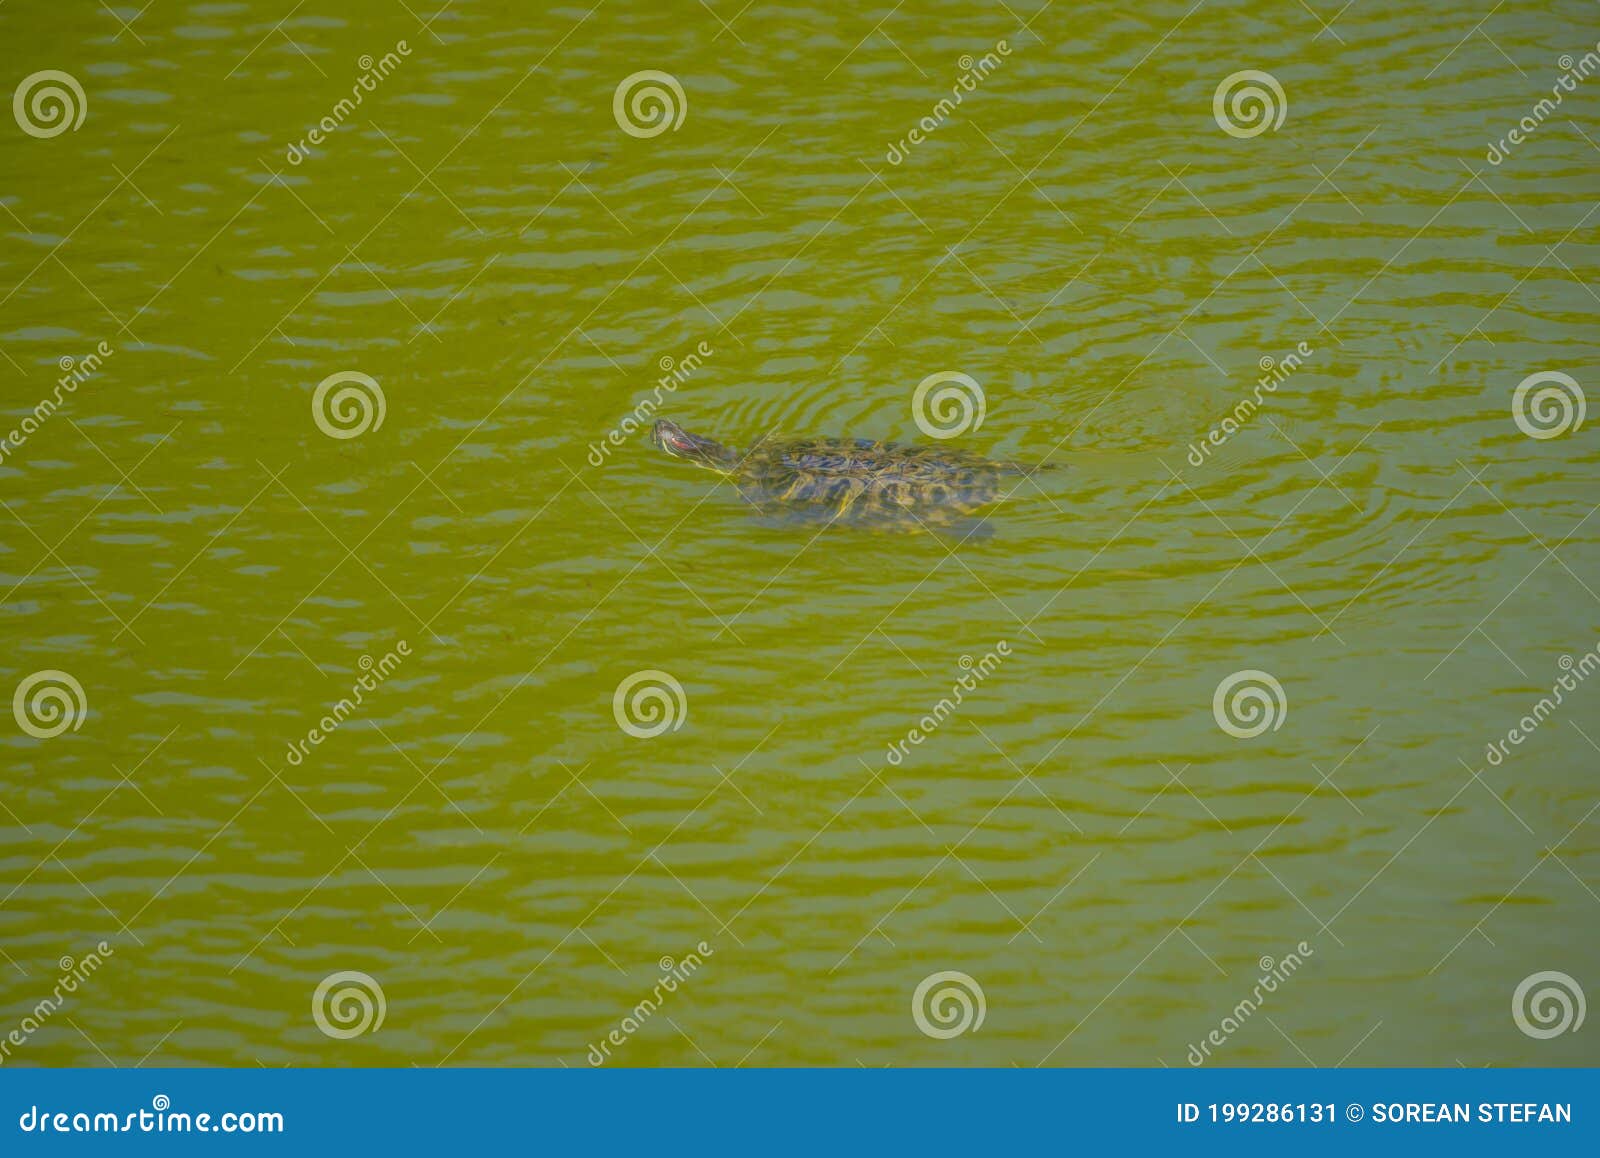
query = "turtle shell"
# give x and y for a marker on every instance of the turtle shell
(864, 483)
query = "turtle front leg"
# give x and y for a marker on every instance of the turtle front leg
(851, 490)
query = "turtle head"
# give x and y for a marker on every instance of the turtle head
(679, 443)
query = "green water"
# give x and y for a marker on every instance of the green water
(1079, 835)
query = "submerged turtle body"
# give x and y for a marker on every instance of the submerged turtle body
(853, 481)
(865, 483)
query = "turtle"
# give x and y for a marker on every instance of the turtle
(858, 482)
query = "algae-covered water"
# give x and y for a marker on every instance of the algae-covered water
(381, 696)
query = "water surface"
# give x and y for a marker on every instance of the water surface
(1080, 236)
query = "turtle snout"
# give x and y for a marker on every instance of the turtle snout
(661, 435)
(671, 438)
